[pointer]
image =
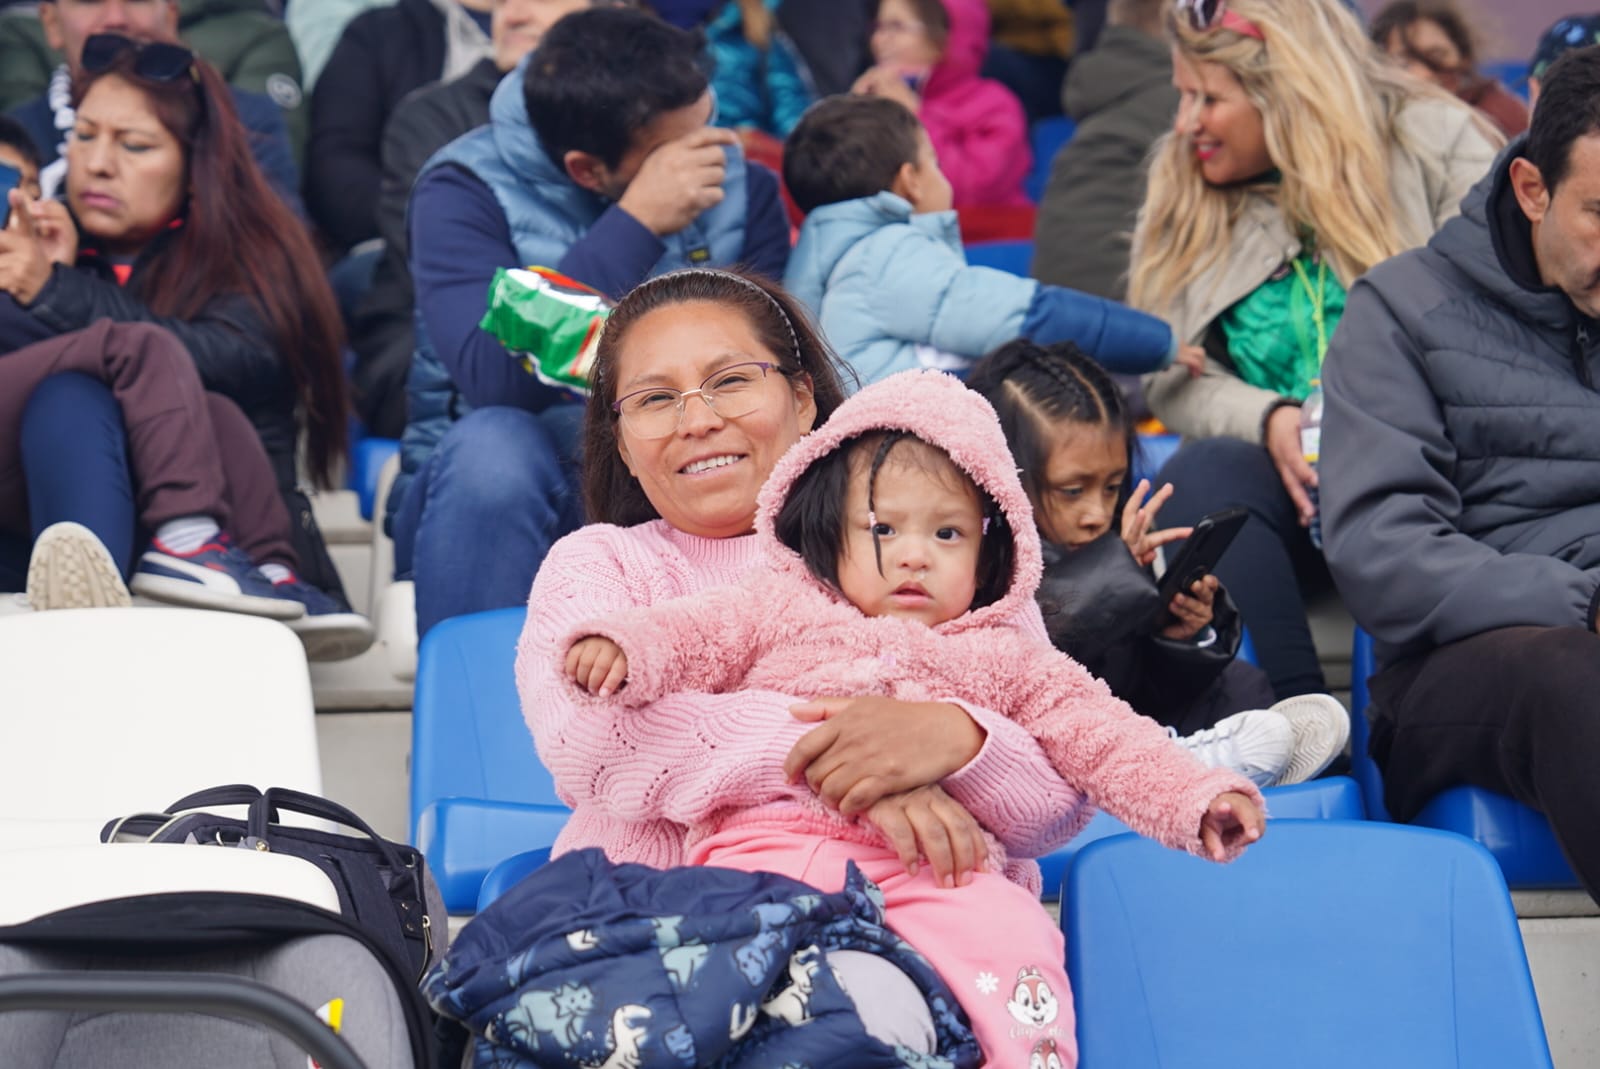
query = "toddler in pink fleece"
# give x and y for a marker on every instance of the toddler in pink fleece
(901, 549)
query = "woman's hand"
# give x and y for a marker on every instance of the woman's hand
(1283, 445)
(1139, 516)
(1192, 610)
(24, 263)
(927, 823)
(1192, 357)
(1231, 820)
(870, 747)
(53, 226)
(885, 81)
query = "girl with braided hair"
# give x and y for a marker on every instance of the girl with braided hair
(1073, 441)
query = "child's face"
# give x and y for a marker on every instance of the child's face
(899, 38)
(929, 525)
(926, 186)
(1082, 479)
(30, 174)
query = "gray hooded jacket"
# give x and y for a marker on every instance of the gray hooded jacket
(1461, 442)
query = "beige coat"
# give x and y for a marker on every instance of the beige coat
(1440, 150)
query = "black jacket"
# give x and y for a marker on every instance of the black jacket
(383, 54)
(1122, 99)
(229, 341)
(1102, 610)
(382, 336)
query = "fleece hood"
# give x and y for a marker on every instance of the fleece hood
(939, 409)
(966, 45)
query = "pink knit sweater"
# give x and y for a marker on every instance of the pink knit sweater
(696, 740)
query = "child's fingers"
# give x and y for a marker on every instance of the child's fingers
(1211, 841)
(615, 675)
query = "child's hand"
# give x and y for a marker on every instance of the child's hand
(1192, 357)
(927, 822)
(1138, 516)
(1193, 610)
(597, 664)
(1231, 820)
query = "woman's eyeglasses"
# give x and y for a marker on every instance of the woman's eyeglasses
(153, 61)
(732, 392)
(1205, 15)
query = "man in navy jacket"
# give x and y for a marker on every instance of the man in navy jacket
(598, 160)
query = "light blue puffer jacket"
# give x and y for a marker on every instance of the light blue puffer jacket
(892, 290)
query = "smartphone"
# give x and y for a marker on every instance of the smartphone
(1201, 552)
(10, 178)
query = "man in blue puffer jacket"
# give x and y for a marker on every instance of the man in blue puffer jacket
(597, 161)
(880, 259)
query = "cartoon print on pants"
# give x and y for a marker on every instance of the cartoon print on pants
(1032, 1003)
(627, 1029)
(793, 1003)
(1046, 1055)
(558, 1014)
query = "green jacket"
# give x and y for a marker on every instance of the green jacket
(241, 38)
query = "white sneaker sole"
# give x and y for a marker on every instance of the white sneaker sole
(334, 636)
(198, 596)
(72, 569)
(1321, 729)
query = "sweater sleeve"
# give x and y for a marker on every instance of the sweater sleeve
(1125, 763)
(1120, 339)
(681, 758)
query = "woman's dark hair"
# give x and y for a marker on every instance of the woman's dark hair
(1401, 15)
(239, 239)
(848, 146)
(812, 519)
(14, 135)
(1034, 387)
(935, 19)
(610, 493)
(600, 76)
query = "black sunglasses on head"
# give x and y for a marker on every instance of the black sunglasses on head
(154, 61)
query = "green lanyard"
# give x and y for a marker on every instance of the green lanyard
(1318, 317)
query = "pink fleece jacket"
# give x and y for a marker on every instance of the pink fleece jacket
(977, 125)
(782, 630)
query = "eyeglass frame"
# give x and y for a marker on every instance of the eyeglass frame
(710, 398)
(119, 44)
(1220, 18)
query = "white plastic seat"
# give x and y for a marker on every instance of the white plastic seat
(48, 879)
(105, 712)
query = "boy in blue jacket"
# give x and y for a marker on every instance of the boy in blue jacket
(880, 260)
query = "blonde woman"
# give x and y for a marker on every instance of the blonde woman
(1299, 158)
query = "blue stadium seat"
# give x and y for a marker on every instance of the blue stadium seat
(508, 874)
(1333, 798)
(1154, 452)
(478, 792)
(1048, 136)
(367, 458)
(1519, 838)
(1329, 944)
(1512, 72)
(1013, 256)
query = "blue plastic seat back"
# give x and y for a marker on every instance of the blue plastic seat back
(1048, 137)
(1333, 798)
(508, 873)
(1330, 944)
(1518, 837)
(1013, 256)
(367, 458)
(1154, 452)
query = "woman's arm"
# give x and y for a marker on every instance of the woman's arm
(681, 758)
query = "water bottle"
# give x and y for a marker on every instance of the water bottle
(1311, 450)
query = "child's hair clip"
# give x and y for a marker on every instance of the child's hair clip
(986, 524)
(872, 518)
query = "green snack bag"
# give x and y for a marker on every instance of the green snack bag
(550, 323)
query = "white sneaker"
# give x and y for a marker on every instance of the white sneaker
(1321, 729)
(1258, 744)
(70, 568)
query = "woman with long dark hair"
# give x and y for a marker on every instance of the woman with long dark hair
(168, 220)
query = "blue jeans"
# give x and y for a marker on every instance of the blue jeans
(484, 509)
(74, 454)
(1269, 563)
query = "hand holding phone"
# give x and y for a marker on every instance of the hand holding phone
(1200, 553)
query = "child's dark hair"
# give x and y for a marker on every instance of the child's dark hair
(845, 147)
(14, 135)
(1033, 387)
(812, 520)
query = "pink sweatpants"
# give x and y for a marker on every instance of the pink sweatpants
(991, 940)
